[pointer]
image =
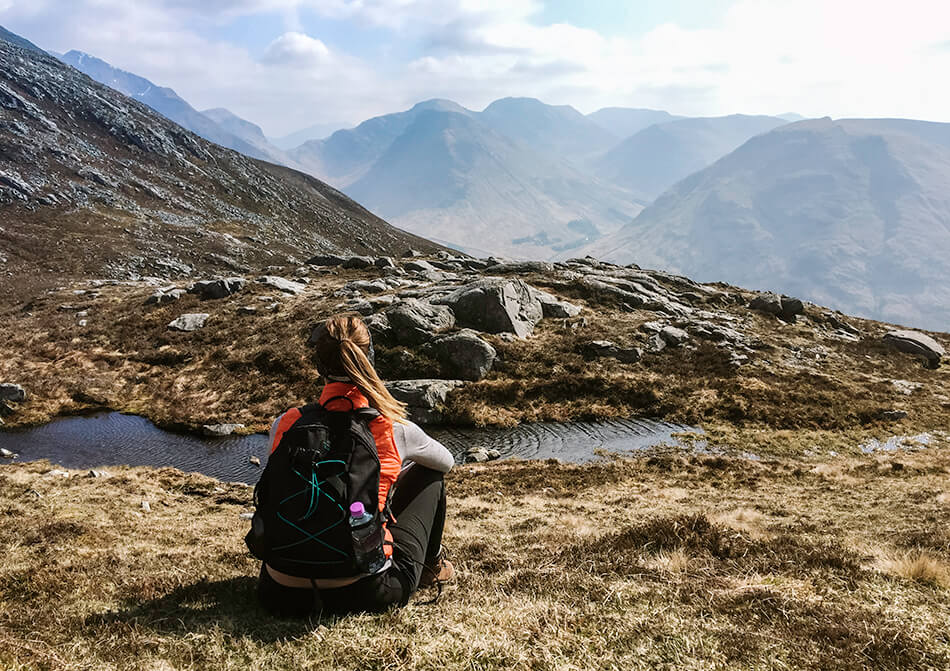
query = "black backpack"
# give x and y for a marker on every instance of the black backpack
(326, 461)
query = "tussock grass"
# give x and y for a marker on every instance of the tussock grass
(656, 562)
(918, 566)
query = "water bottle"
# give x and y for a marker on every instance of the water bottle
(367, 539)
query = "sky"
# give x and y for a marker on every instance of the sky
(290, 64)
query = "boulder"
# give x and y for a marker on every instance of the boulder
(358, 262)
(673, 336)
(163, 296)
(281, 284)
(7, 454)
(410, 253)
(384, 262)
(220, 430)
(367, 286)
(326, 260)
(919, 344)
(12, 392)
(656, 344)
(378, 325)
(413, 322)
(791, 308)
(217, 288)
(481, 455)
(768, 303)
(464, 355)
(520, 267)
(420, 266)
(605, 348)
(189, 322)
(424, 397)
(496, 305)
(553, 307)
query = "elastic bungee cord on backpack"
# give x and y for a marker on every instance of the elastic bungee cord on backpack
(313, 485)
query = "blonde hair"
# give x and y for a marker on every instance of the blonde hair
(342, 350)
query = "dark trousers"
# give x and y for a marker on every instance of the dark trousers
(418, 504)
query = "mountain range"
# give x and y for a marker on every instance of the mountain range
(847, 213)
(851, 213)
(96, 184)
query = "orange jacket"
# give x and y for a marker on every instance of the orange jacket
(390, 462)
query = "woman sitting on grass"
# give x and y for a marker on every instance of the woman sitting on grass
(411, 492)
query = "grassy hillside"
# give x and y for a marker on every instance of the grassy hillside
(671, 561)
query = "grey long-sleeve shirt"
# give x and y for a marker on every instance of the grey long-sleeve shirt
(413, 444)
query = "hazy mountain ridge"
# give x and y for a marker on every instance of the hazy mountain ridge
(93, 183)
(623, 122)
(660, 155)
(450, 177)
(852, 213)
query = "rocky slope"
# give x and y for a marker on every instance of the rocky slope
(95, 184)
(849, 213)
(226, 131)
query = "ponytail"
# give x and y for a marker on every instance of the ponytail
(342, 350)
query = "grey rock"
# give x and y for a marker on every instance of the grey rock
(656, 344)
(98, 474)
(791, 308)
(906, 387)
(189, 322)
(414, 322)
(919, 344)
(520, 268)
(464, 355)
(163, 296)
(420, 266)
(477, 455)
(12, 392)
(605, 348)
(256, 461)
(247, 310)
(367, 286)
(220, 430)
(281, 284)
(496, 305)
(217, 288)
(410, 253)
(384, 262)
(7, 454)
(768, 303)
(358, 262)
(651, 327)
(493, 454)
(673, 336)
(553, 307)
(424, 397)
(326, 260)
(378, 325)
(894, 415)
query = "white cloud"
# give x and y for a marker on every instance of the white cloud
(298, 50)
(843, 58)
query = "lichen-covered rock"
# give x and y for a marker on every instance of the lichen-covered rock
(916, 343)
(425, 398)
(464, 355)
(413, 322)
(768, 303)
(496, 305)
(12, 392)
(189, 322)
(281, 284)
(218, 287)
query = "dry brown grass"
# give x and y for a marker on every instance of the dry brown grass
(634, 564)
(918, 566)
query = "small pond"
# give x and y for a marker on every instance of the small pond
(111, 438)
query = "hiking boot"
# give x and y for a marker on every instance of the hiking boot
(440, 571)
